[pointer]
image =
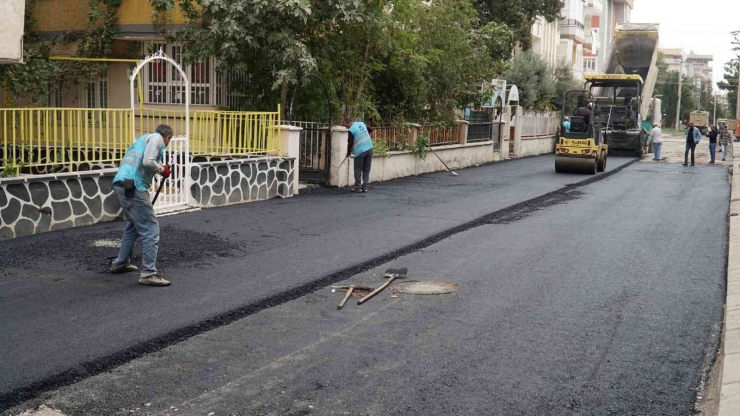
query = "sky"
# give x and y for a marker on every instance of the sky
(703, 26)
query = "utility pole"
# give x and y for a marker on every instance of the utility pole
(678, 107)
(715, 109)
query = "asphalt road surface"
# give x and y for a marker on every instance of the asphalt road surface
(598, 299)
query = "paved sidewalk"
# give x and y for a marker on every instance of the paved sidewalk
(729, 404)
(63, 316)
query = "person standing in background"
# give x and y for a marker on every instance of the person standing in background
(712, 143)
(693, 137)
(655, 137)
(725, 139)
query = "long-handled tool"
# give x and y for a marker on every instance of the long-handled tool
(346, 297)
(336, 172)
(161, 184)
(443, 162)
(350, 289)
(391, 274)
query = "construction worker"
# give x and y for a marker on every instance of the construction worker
(566, 124)
(141, 162)
(585, 112)
(361, 146)
(657, 139)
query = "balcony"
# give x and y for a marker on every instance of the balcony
(592, 44)
(572, 29)
(593, 8)
(630, 3)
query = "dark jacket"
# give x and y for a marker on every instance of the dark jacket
(712, 137)
(585, 113)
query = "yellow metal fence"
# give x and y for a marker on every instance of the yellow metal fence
(45, 137)
(54, 137)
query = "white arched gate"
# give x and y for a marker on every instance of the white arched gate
(175, 193)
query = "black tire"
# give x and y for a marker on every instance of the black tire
(602, 162)
(596, 168)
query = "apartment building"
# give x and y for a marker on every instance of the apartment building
(138, 36)
(593, 11)
(699, 66)
(614, 12)
(573, 35)
(675, 59)
(545, 39)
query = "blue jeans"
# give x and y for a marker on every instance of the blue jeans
(142, 222)
(656, 149)
(712, 150)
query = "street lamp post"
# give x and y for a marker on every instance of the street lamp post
(680, 78)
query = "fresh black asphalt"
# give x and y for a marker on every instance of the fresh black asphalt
(61, 312)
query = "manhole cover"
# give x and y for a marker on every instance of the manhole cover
(426, 288)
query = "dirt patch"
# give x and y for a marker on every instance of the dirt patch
(675, 146)
(94, 251)
(707, 399)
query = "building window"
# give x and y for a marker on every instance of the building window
(163, 84)
(55, 95)
(95, 95)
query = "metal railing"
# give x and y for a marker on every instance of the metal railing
(441, 135)
(534, 126)
(44, 137)
(572, 22)
(395, 138)
(64, 137)
(480, 132)
(235, 133)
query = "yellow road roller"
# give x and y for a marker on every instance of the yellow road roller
(579, 149)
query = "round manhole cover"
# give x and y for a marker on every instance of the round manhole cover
(426, 288)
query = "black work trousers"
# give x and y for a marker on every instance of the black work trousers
(689, 146)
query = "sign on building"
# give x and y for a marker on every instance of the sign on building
(495, 93)
(11, 31)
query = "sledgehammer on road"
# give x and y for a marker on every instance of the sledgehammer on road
(391, 274)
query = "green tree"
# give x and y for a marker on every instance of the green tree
(518, 15)
(564, 82)
(669, 91)
(535, 81)
(729, 84)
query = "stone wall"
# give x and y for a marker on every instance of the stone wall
(39, 203)
(537, 145)
(235, 181)
(36, 204)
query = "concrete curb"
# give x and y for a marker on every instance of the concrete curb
(729, 378)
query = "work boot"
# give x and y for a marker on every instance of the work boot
(154, 280)
(357, 189)
(125, 269)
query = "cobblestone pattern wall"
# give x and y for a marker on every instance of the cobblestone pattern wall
(57, 202)
(219, 183)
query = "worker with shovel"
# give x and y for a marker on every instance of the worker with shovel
(361, 146)
(141, 162)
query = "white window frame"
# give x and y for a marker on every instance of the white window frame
(164, 85)
(95, 95)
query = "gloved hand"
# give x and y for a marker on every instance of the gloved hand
(166, 171)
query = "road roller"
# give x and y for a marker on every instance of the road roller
(578, 149)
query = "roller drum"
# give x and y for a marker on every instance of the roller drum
(575, 165)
